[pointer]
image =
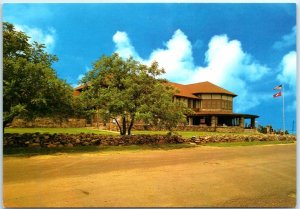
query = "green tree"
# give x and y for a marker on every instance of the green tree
(164, 111)
(31, 87)
(126, 91)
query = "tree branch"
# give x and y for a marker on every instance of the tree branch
(120, 129)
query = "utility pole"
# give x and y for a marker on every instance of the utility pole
(283, 115)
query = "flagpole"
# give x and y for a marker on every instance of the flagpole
(283, 116)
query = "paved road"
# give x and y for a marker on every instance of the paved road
(255, 176)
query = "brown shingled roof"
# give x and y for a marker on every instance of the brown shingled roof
(82, 86)
(182, 90)
(189, 90)
(203, 87)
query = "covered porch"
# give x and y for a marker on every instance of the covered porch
(212, 119)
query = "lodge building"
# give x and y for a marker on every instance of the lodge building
(212, 106)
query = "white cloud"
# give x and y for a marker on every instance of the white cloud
(286, 40)
(87, 69)
(74, 85)
(227, 65)
(176, 58)
(46, 37)
(232, 68)
(80, 77)
(288, 68)
(123, 46)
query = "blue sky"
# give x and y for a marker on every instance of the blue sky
(245, 48)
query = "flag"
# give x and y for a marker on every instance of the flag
(277, 94)
(278, 87)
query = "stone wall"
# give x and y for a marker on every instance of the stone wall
(241, 138)
(49, 123)
(72, 140)
(229, 129)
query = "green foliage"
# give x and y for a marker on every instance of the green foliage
(31, 87)
(185, 134)
(126, 91)
(163, 111)
(262, 129)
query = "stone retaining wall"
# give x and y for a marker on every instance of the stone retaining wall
(49, 123)
(241, 138)
(230, 129)
(72, 140)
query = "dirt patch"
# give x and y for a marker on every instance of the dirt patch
(257, 176)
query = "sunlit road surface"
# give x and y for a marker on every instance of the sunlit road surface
(254, 176)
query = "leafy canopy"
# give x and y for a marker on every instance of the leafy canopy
(31, 87)
(126, 91)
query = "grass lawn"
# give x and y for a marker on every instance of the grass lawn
(189, 134)
(59, 130)
(185, 134)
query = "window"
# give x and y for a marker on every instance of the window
(206, 96)
(189, 103)
(226, 105)
(194, 103)
(213, 104)
(216, 96)
(218, 106)
(230, 105)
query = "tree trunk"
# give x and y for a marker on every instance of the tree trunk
(131, 124)
(97, 117)
(123, 132)
(8, 118)
(5, 123)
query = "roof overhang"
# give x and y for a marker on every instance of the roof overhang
(208, 113)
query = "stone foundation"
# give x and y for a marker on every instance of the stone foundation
(229, 129)
(49, 123)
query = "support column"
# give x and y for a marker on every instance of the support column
(190, 121)
(214, 121)
(242, 121)
(252, 122)
(234, 121)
